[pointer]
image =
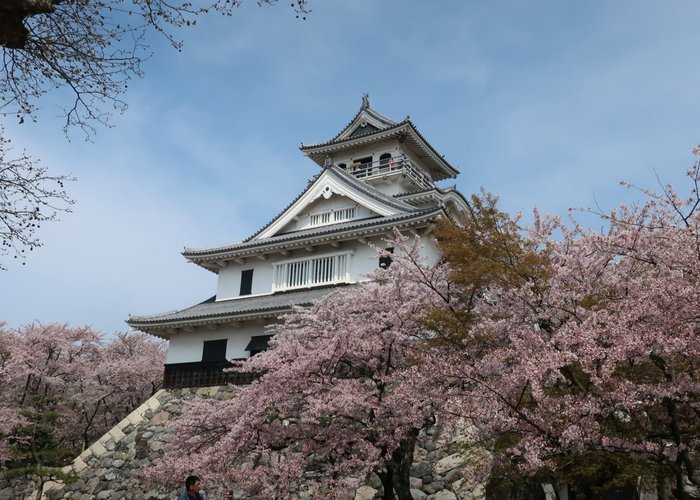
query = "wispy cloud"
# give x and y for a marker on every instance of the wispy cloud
(542, 102)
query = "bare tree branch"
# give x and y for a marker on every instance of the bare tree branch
(29, 196)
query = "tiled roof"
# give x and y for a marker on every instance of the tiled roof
(348, 179)
(370, 111)
(433, 190)
(389, 221)
(341, 175)
(370, 191)
(353, 137)
(312, 149)
(231, 310)
(416, 192)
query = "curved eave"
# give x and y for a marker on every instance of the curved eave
(453, 201)
(455, 204)
(425, 195)
(441, 168)
(211, 314)
(166, 329)
(213, 260)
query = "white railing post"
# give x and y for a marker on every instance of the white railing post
(310, 272)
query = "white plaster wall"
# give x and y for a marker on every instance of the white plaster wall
(365, 259)
(361, 262)
(187, 347)
(229, 282)
(335, 202)
(390, 189)
(373, 150)
(429, 250)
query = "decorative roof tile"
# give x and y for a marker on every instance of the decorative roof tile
(365, 109)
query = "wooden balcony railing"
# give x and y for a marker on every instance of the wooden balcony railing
(203, 374)
(398, 165)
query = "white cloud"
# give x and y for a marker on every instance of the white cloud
(542, 102)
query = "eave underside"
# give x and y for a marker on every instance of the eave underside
(212, 259)
(211, 313)
(405, 132)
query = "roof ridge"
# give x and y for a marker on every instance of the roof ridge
(365, 108)
(344, 177)
(363, 186)
(417, 191)
(309, 185)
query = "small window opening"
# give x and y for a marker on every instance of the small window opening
(214, 350)
(385, 160)
(258, 344)
(246, 282)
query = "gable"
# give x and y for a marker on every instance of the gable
(363, 130)
(328, 193)
(323, 211)
(366, 122)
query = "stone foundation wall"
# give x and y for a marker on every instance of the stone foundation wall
(108, 469)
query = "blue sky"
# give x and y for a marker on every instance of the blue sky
(545, 103)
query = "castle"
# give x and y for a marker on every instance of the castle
(377, 175)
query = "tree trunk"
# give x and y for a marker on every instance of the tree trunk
(396, 479)
(387, 484)
(401, 461)
(40, 487)
(679, 491)
(13, 33)
(663, 488)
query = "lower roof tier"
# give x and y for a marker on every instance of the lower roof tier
(212, 312)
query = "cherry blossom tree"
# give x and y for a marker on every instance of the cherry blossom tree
(577, 348)
(339, 398)
(63, 387)
(126, 372)
(10, 412)
(570, 356)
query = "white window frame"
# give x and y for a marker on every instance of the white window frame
(332, 216)
(309, 272)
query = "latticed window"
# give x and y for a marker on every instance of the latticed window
(332, 216)
(311, 272)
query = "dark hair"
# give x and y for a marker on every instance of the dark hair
(190, 481)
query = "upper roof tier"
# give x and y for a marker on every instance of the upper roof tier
(369, 127)
(374, 213)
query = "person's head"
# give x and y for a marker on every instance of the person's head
(192, 484)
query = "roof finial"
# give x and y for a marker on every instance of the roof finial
(365, 101)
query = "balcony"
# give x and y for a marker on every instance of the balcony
(203, 374)
(390, 167)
